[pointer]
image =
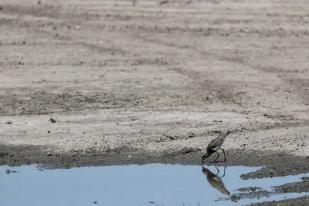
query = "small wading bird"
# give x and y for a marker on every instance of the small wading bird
(215, 145)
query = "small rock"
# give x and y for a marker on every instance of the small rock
(49, 154)
(163, 2)
(271, 174)
(8, 171)
(48, 131)
(216, 131)
(188, 150)
(191, 134)
(250, 189)
(8, 122)
(4, 154)
(235, 198)
(52, 120)
(305, 179)
(171, 137)
(95, 202)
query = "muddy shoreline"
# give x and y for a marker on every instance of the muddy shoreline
(274, 164)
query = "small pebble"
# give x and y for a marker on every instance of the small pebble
(52, 120)
(191, 134)
(8, 171)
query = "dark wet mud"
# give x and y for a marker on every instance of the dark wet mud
(274, 163)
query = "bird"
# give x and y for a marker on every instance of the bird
(215, 145)
(215, 181)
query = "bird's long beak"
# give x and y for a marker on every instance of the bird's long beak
(203, 158)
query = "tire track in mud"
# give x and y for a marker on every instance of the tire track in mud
(236, 60)
(216, 90)
(41, 103)
(211, 90)
(36, 10)
(301, 87)
(56, 19)
(225, 93)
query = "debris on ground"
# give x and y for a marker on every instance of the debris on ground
(52, 120)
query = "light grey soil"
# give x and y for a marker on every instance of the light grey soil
(153, 79)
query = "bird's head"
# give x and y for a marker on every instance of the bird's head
(205, 156)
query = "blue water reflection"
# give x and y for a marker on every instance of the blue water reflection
(131, 185)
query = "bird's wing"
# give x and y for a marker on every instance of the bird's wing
(212, 144)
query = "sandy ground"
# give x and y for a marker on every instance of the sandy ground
(154, 77)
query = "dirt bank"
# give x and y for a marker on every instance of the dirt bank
(154, 77)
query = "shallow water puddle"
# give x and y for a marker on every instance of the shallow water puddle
(131, 185)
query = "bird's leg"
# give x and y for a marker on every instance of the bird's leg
(217, 170)
(223, 154)
(217, 156)
(224, 170)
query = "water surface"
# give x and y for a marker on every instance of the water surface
(132, 185)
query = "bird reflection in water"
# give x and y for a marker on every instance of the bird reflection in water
(215, 181)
